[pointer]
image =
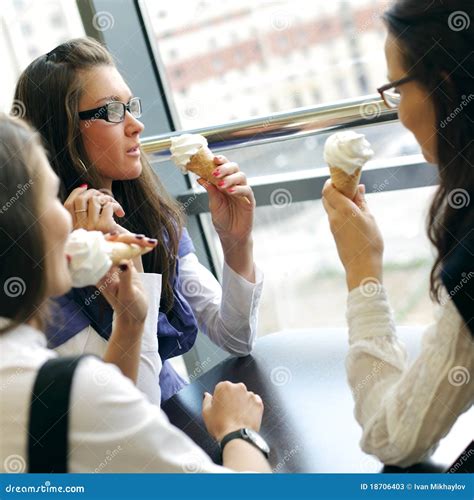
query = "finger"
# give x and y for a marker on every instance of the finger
(137, 239)
(118, 210)
(336, 199)
(69, 203)
(225, 169)
(237, 179)
(242, 192)
(106, 217)
(220, 159)
(93, 213)
(81, 207)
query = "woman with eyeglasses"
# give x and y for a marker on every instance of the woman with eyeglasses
(110, 426)
(89, 121)
(406, 409)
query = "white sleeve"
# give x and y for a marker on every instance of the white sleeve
(406, 410)
(89, 341)
(113, 428)
(228, 315)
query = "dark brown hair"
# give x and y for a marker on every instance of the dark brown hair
(436, 38)
(49, 90)
(23, 278)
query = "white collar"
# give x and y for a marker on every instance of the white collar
(24, 333)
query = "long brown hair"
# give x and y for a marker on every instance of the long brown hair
(49, 91)
(437, 40)
(23, 278)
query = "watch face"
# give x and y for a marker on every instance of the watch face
(258, 440)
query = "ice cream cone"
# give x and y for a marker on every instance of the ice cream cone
(119, 251)
(202, 164)
(344, 182)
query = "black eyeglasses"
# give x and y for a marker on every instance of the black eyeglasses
(113, 112)
(390, 94)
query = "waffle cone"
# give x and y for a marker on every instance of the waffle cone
(202, 164)
(119, 251)
(344, 182)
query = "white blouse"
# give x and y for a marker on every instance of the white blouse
(406, 410)
(227, 315)
(112, 425)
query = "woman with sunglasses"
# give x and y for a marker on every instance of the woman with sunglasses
(107, 415)
(89, 121)
(406, 409)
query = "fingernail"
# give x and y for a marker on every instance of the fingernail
(84, 186)
(123, 267)
(69, 258)
(231, 190)
(139, 236)
(221, 183)
(152, 240)
(113, 233)
(216, 173)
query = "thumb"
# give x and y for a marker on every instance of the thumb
(214, 194)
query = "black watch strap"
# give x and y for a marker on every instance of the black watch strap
(242, 434)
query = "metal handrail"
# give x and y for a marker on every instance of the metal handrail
(366, 110)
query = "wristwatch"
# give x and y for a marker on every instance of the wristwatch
(250, 436)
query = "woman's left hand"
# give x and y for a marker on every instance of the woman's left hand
(231, 203)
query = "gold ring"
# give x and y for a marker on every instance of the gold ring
(83, 210)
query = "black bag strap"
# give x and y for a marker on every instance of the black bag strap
(49, 416)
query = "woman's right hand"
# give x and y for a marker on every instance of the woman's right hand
(122, 287)
(232, 407)
(94, 210)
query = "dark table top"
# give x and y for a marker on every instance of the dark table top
(308, 420)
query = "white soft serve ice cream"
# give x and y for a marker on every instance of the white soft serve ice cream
(184, 147)
(89, 257)
(347, 150)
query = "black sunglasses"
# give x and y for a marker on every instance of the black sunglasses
(113, 112)
(389, 93)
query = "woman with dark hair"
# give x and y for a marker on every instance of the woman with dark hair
(105, 411)
(88, 119)
(405, 410)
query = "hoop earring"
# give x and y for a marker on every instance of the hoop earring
(83, 166)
